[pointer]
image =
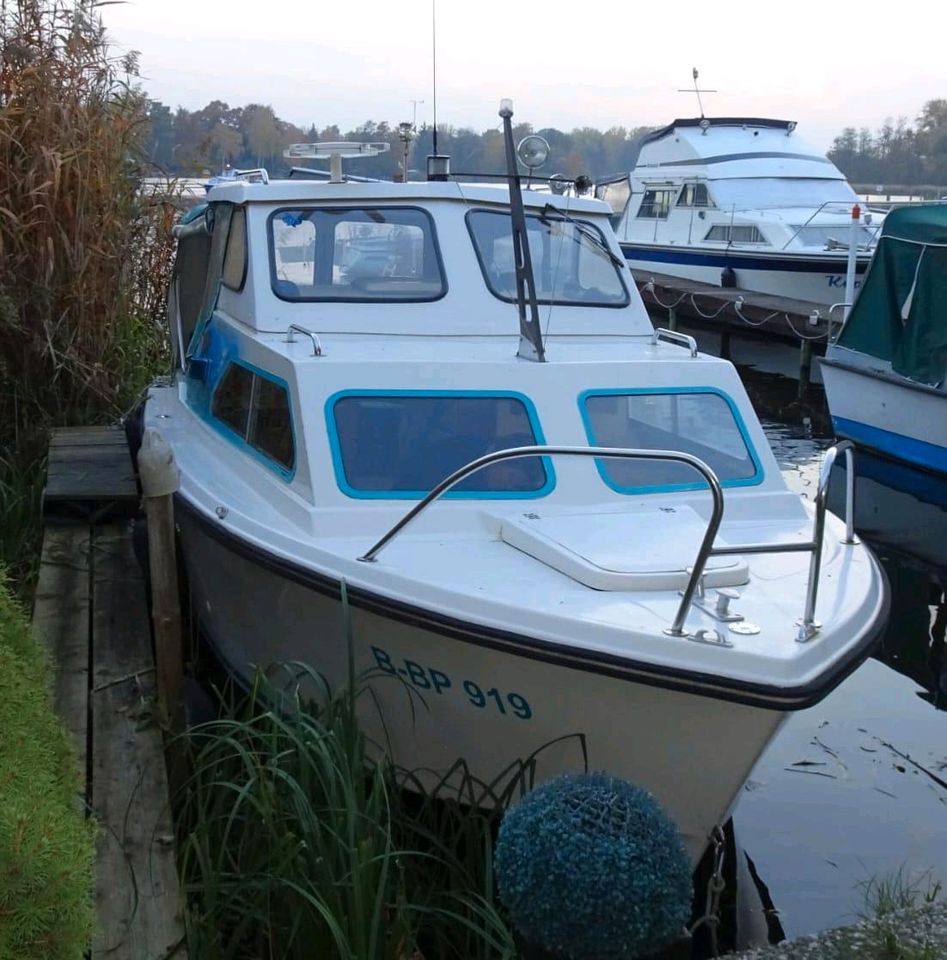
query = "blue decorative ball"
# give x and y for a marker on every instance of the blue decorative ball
(590, 866)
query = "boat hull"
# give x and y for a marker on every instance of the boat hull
(901, 419)
(437, 699)
(813, 279)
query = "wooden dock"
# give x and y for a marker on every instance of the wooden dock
(91, 611)
(735, 310)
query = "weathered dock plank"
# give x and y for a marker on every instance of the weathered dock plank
(89, 470)
(138, 895)
(61, 620)
(91, 612)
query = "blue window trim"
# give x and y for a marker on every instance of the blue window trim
(758, 474)
(228, 433)
(355, 493)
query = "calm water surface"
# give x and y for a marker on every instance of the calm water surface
(856, 787)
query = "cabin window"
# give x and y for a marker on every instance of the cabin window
(191, 263)
(701, 422)
(235, 259)
(835, 237)
(694, 195)
(401, 444)
(255, 409)
(726, 233)
(656, 203)
(572, 264)
(386, 254)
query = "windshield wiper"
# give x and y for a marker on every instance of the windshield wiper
(590, 233)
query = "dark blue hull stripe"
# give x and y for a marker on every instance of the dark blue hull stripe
(908, 449)
(739, 261)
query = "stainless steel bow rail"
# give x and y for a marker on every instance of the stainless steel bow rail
(808, 625)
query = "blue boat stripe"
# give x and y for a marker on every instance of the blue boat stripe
(737, 260)
(920, 452)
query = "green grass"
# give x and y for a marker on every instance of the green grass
(297, 841)
(46, 842)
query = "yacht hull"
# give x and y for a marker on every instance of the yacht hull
(438, 699)
(818, 280)
(879, 410)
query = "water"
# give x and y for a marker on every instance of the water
(855, 788)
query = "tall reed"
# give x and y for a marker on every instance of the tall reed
(84, 254)
(298, 842)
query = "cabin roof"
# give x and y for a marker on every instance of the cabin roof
(383, 191)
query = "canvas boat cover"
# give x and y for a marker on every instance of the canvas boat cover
(900, 314)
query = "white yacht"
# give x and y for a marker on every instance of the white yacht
(740, 202)
(564, 539)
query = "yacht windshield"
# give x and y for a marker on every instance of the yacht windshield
(355, 253)
(833, 237)
(401, 444)
(572, 263)
(774, 193)
(700, 422)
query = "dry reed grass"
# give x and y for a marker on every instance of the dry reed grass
(84, 255)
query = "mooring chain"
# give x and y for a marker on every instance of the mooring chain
(715, 887)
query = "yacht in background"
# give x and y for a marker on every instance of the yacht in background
(740, 202)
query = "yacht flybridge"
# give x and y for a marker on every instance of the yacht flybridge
(740, 202)
(563, 536)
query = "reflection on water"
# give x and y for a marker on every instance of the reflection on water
(856, 787)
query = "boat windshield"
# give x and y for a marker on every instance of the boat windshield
(701, 422)
(355, 253)
(833, 237)
(401, 444)
(572, 263)
(773, 193)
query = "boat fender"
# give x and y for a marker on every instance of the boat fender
(728, 277)
(156, 467)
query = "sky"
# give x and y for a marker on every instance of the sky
(612, 63)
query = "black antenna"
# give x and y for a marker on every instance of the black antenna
(531, 338)
(698, 91)
(434, 65)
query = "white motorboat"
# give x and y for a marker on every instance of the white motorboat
(569, 538)
(740, 202)
(886, 372)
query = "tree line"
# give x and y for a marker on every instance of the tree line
(206, 141)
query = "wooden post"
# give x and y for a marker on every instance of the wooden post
(725, 341)
(805, 367)
(672, 318)
(159, 480)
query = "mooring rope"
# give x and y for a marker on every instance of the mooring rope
(737, 305)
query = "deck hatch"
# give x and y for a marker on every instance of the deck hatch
(648, 548)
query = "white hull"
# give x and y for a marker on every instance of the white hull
(677, 745)
(824, 285)
(902, 419)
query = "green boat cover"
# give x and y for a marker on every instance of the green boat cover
(900, 313)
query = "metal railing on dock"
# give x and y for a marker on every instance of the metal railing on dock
(91, 612)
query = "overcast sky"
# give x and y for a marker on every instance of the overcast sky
(600, 64)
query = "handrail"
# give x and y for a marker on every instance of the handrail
(515, 453)
(662, 333)
(317, 350)
(808, 626)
